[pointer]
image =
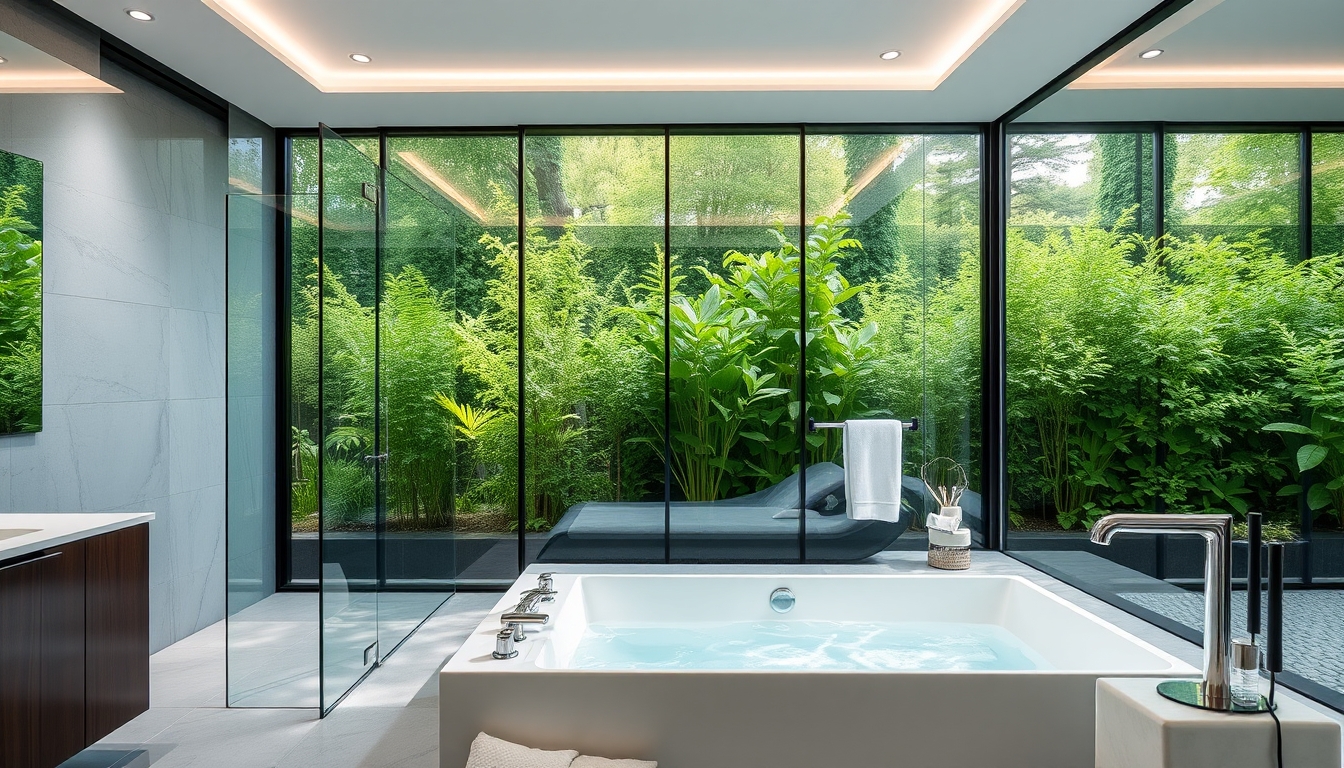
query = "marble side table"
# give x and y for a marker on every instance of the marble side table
(1138, 728)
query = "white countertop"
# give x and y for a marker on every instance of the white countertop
(56, 528)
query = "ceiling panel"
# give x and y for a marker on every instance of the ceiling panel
(777, 44)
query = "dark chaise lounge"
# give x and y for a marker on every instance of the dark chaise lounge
(757, 526)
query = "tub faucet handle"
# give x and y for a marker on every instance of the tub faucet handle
(545, 581)
(529, 599)
(504, 645)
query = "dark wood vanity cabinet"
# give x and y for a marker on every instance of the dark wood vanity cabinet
(74, 646)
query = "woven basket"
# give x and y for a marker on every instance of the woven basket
(949, 558)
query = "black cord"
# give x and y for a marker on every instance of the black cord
(1278, 726)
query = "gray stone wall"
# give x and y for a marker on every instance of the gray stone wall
(133, 394)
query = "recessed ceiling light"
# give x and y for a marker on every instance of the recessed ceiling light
(889, 55)
(139, 15)
(3, 60)
(361, 58)
(1153, 54)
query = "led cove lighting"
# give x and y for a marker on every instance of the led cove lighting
(361, 58)
(889, 55)
(139, 15)
(288, 40)
(1153, 54)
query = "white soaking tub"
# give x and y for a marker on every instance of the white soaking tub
(700, 671)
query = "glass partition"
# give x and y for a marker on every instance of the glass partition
(271, 638)
(417, 355)
(350, 446)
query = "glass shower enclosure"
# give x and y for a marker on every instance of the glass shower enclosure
(365, 470)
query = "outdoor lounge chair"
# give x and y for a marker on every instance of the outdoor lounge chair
(745, 527)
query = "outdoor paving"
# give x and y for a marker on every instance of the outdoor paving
(1313, 626)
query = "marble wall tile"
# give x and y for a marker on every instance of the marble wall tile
(98, 351)
(101, 247)
(134, 344)
(93, 457)
(196, 440)
(105, 137)
(195, 355)
(196, 265)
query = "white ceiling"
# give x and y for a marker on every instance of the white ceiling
(510, 62)
(28, 70)
(1222, 60)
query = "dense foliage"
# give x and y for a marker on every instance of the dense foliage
(1204, 372)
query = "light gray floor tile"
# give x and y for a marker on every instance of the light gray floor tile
(370, 737)
(230, 738)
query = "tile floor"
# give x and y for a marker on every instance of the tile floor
(387, 722)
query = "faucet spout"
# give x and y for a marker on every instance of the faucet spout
(1217, 533)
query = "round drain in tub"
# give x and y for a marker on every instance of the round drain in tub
(782, 600)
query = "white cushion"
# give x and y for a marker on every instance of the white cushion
(586, 761)
(489, 752)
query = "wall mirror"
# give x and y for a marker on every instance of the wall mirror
(20, 294)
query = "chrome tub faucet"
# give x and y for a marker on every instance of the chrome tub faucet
(1214, 691)
(514, 622)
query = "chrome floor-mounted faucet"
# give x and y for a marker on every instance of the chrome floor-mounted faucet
(1214, 691)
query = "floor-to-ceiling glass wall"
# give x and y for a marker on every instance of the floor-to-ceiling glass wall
(593, 345)
(734, 357)
(473, 399)
(893, 286)
(655, 275)
(1195, 373)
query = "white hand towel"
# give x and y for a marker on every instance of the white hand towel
(873, 469)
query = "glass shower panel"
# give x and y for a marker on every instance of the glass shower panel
(893, 280)
(272, 638)
(593, 347)
(417, 356)
(734, 324)
(349, 442)
(473, 178)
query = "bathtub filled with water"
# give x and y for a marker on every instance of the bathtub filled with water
(707, 669)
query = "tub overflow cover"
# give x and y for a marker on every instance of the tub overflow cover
(782, 600)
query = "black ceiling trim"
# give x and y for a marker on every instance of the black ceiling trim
(1158, 14)
(130, 58)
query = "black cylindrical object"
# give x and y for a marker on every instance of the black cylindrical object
(1274, 617)
(1253, 580)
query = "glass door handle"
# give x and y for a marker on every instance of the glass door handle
(372, 458)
